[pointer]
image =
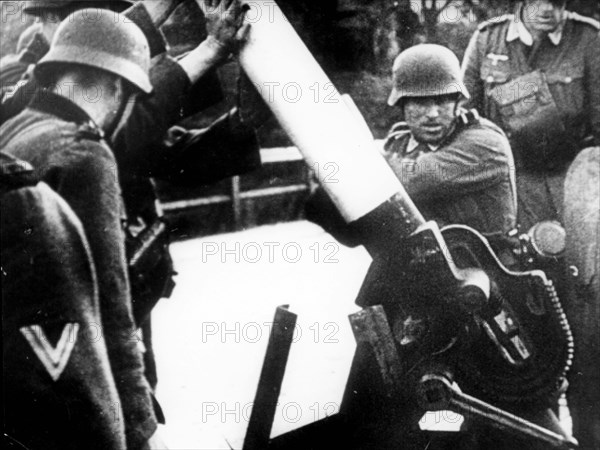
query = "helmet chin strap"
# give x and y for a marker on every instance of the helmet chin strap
(124, 112)
(457, 107)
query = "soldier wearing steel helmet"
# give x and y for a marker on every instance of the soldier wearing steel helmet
(50, 13)
(138, 143)
(94, 69)
(456, 166)
(34, 42)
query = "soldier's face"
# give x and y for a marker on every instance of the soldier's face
(430, 119)
(543, 15)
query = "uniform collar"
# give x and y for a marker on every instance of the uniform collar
(413, 144)
(463, 119)
(57, 105)
(518, 30)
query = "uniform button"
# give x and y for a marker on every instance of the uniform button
(490, 79)
(568, 79)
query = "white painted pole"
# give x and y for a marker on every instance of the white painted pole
(314, 115)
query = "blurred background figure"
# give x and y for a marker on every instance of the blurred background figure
(537, 74)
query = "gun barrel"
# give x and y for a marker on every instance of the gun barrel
(315, 116)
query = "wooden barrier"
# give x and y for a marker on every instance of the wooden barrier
(236, 196)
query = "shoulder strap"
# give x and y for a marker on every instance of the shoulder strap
(495, 21)
(15, 174)
(584, 20)
(398, 131)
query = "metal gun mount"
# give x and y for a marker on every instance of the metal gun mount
(438, 303)
(439, 322)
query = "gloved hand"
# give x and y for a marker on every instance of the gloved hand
(225, 22)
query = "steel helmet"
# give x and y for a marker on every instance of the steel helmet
(36, 8)
(426, 70)
(102, 39)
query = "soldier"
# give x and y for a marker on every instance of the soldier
(536, 73)
(34, 42)
(137, 143)
(456, 166)
(58, 388)
(61, 133)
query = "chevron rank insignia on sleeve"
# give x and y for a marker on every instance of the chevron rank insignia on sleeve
(54, 359)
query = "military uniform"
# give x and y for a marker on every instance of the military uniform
(67, 150)
(545, 95)
(59, 391)
(227, 149)
(468, 179)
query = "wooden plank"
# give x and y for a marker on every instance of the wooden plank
(280, 155)
(271, 377)
(371, 326)
(195, 202)
(236, 202)
(279, 190)
(216, 199)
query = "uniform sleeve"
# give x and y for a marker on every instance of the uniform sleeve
(89, 183)
(16, 98)
(475, 160)
(18, 92)
(592, 84)
(470, 69)
(224, 149)
(51, 281)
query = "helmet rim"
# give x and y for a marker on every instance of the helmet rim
(119, 66)
(108, 42)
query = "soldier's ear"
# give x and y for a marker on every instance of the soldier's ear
(460, 105)
(119, 89)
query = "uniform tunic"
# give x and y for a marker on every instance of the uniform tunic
(224, 151)
(59, 391)
(226, 148)
(503, 50)
(468, 179)
(65, 147)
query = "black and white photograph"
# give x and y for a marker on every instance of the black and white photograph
(300, 225)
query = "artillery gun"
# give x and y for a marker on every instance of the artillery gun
(444, 324)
